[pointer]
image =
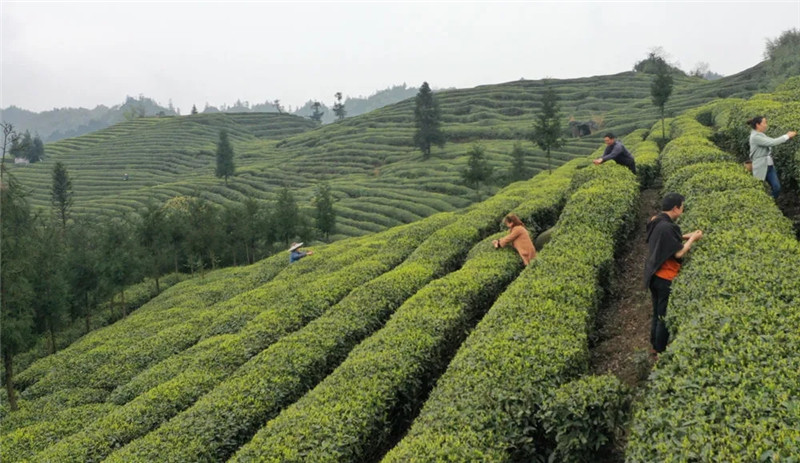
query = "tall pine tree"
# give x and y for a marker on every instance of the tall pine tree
(325, 215)
(427, 119)
(478, 169)
(17, 273)
(225, 165)
(61, 194)
(286, 218)
(547, 126)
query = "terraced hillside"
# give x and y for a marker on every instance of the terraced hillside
(378, 177)
(423, 343)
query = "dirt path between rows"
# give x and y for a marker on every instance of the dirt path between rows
(622, 335)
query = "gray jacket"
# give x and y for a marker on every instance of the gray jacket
(760, 149)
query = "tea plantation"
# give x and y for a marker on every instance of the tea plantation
(378, 177)
(420, 341)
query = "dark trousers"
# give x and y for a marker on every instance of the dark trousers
(659, 290)
(774, 183)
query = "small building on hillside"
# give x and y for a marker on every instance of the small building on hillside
(21, 161)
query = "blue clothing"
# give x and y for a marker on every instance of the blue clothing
(296, 255)
(619, 154)
(772, 179)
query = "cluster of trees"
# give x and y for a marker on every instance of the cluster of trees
(57, 270)
(546, 134)
(26, 147)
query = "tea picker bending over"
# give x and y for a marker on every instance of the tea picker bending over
(296, 254)
(518, 237)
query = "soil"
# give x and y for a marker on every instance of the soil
(622, 335)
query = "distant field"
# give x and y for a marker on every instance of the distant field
(378, 177)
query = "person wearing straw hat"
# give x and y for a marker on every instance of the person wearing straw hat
(296, 254)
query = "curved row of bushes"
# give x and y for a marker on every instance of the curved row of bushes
(226, 418)
(200, 370)
(532, 340)
(355, 410)
(726, 389)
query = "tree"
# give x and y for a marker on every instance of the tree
(547, 126)
(120, 263)
(61, 194)
(478, 169)
(37, 149)
(783, 57)
(9, 135)
(204, 234)
(17, 273)
(338, 106)
(84, 274)
(286, 218)
(51, 285)
(518, 169)
(325, 215)
(661, 89)
(427, 120)
(278, 107)
(316, 116)
(194, 110)
(153, 236)
(225, 165)
(21, 145)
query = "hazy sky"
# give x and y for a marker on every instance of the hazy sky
(69, 54)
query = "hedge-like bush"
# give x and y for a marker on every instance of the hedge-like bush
(532, 340)
(227, 417)
(583, 417)
(726, 388)
(203, 372)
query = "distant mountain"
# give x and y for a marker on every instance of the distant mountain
(63, 123)
(60, 123)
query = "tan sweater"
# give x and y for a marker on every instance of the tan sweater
(519, 238)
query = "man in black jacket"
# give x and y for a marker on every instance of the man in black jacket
(667, 247)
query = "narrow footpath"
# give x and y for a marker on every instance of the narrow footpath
(622, 332)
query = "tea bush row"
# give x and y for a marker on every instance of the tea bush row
(532, 340)
(726, 388)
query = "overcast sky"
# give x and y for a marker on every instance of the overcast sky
(71, 54)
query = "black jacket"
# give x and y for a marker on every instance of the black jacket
(664, 239)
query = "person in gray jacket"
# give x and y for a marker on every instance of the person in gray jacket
(761, 152)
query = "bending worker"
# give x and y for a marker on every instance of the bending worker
(617, 152)
(518, 237)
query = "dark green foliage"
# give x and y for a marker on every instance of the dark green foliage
(518, 169)
(286, 216)
(478, 169)
(153, 235)
(120, 263)
(783, 57)
(584, 417)
(18, 275)
(338, 107)
(61, 196)
(547, 126)
(316, 116)
(325, 216)
(427, 120)
(225, 164)
(661, 89)
(51, 285)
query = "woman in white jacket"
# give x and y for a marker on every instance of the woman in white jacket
(761, 152)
